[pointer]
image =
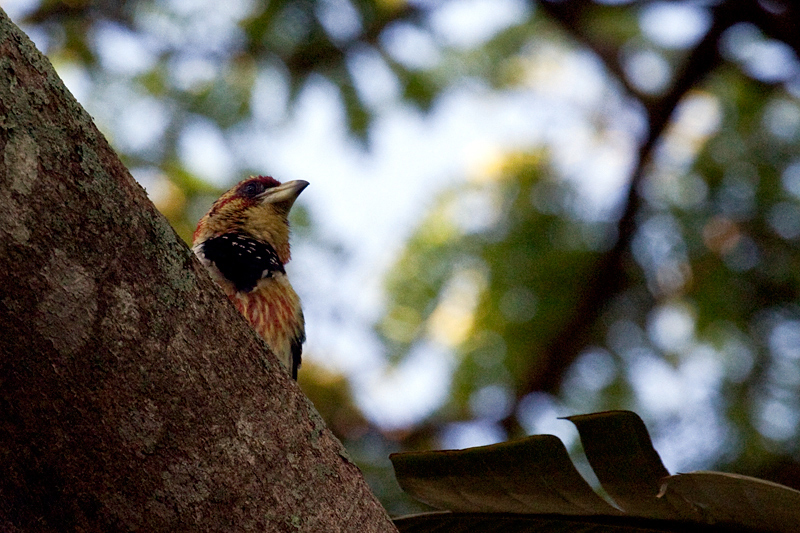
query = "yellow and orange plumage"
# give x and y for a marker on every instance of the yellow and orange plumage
(244, 242)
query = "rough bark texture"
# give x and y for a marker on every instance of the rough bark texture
(132, 395)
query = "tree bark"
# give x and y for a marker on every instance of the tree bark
(132, 394)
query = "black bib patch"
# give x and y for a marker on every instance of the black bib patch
(242, 260)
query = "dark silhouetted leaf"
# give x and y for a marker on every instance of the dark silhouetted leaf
(738, 500)
(531, 475)
(530, 485)
(618, 447)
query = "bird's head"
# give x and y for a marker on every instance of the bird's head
(259, 207)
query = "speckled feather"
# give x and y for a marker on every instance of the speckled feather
(242, 259)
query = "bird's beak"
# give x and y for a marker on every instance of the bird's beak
(285, 194)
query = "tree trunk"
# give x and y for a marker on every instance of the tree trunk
(132, 394)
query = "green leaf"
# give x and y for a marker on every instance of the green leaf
(419, 89)
(531, 475)
(618, 447)
(531, 485)
(720, 498)
(358, 116)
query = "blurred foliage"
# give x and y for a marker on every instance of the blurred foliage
(491, 272)
(681, 303)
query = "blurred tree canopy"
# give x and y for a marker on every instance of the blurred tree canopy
(679, 300)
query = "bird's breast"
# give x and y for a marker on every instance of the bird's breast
(273, 309)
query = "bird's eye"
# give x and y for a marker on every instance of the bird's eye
(253, 189)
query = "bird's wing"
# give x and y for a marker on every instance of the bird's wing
(297, 347)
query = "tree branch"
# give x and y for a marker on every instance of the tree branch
(610, 274)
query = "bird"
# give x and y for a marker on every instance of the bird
(243, 241)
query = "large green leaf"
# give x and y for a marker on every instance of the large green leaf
(530, 475)
(531, 485)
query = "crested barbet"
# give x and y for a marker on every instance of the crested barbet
(244, 243)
